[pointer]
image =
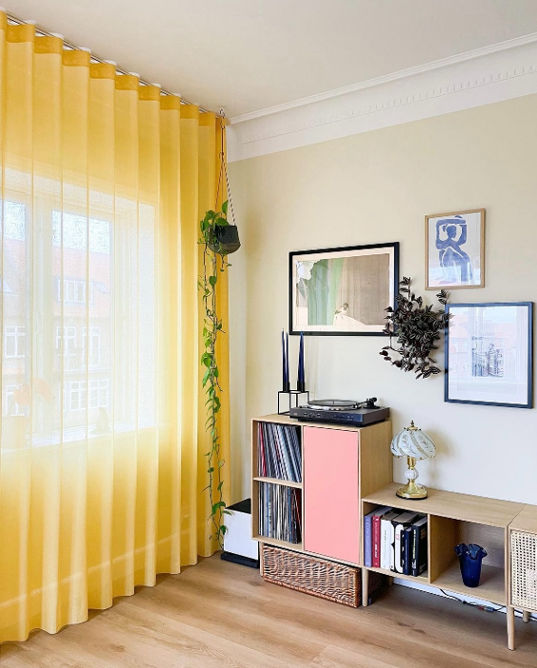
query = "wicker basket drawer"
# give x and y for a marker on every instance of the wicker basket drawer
(311, 575)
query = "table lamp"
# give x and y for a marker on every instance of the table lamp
(415, 444)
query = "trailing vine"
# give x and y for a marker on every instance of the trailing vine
(417, 328)
(212, 328)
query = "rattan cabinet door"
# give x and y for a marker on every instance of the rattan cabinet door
(524, 570)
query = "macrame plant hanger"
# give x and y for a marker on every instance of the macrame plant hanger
(227, 236)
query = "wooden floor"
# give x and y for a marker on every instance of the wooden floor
(221, 614)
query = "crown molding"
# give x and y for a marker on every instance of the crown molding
(483, 76)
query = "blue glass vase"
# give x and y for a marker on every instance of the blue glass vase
(470, 558)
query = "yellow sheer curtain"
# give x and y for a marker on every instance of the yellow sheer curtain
(102, 467)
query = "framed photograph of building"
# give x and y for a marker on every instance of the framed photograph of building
(455, 250)
(342, 291)
(489, 354)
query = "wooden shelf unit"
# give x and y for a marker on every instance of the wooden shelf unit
(374, 469)
(452, 518)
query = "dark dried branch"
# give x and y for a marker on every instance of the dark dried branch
(416, 329)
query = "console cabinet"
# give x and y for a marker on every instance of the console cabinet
(347, 473)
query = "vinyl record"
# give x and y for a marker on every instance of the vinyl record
(332, 404)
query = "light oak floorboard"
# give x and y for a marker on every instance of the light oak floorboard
(222, 614)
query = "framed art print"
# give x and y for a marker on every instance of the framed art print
(489, 354)
(337, 291)
(455, 250)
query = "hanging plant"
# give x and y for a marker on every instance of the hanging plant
(416, 328)
(218, 238)
(212, 328)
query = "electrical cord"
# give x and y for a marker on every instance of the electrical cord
(479, 606)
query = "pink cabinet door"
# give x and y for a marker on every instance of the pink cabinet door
(331, 504)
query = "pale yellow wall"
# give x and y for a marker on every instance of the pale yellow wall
(377, 187)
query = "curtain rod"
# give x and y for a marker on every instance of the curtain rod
(98, 59)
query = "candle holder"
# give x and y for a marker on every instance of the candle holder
(290, 394)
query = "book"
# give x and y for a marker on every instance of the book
(387, 537)
(368, 534)
(407, 533)
(418, 562)
(367, 539)
(404, 520)
(376, 516)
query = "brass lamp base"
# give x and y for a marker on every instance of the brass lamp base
(412, 491)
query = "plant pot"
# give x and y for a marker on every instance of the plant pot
(470, 558)
(225, 239)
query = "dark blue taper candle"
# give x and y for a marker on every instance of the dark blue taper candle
(285, 362)
(301, 380)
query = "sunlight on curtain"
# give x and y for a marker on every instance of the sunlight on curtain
(103, 182)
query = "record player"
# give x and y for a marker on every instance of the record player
(341, 411)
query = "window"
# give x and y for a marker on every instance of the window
(74, 290)
(10, 406)
(92, 285)
(72, 347)
(76, 394)
(75, 232)
(99, 392)
(94, 353)
(14, 341)
(66, 346)
(14, 221)
(66, 340)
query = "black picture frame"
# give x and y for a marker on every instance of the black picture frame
(488, 360)
(368, 269)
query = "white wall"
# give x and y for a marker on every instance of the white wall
(376, 187)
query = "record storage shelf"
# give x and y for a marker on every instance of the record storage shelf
(375, 469)
(257, 479)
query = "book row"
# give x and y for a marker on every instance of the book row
(396, 540)
(280, 512)
(279, 453)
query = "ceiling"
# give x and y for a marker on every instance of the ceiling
(247, 55)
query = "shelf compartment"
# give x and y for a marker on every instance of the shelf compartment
(491, 585)
(279, 512)
(444, 535)
(277, 452)
(367, 508)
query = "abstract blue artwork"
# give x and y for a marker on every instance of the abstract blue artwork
(455, 249)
